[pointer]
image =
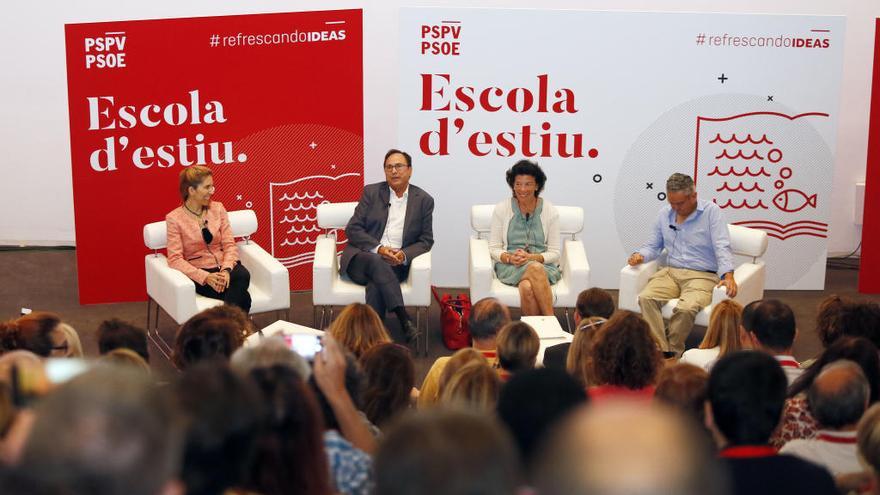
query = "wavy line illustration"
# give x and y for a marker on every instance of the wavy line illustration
(784, 237)
(301, 207)
(733, 139)
(780, 225)
(304, 230)
(297, 242)
(739, 154)
(306, 218)
(743, 204)
(732, 171)
(740, 187)
(298, 257)
(790, 231)
(314, 195)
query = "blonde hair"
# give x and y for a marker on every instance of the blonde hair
(74, 346)
(474, 386)
(192, 177)
(723, 329)
(125, 358)
(456, 362)
(517, 345)
(578, 363)
(358, 328)
(868, 438)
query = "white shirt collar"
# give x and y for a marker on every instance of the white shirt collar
(393, 195)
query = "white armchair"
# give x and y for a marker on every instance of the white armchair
(749, 276)
(573, 263)
(330, 289)
(175, 293)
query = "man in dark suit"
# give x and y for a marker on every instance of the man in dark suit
(391, 225)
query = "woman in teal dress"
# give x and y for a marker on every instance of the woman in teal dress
(524, 239)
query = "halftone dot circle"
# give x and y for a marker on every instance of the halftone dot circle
(661, 196)
(785, 172)
(779, 184)
(249, 204)
(597, 178)
(242, 158)
(593, 152)
(774, 155)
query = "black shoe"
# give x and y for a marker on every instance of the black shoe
(410, 331)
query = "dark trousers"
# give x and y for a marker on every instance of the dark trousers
(382, 280)
(237, 292)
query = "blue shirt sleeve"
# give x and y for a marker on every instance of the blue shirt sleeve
(720, 241)
(654, 245)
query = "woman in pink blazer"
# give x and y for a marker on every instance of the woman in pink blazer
(200, 241)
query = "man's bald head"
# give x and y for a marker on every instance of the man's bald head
(488, 315)
(839, 395)
(628, 448)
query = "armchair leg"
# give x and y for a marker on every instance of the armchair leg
(156, 338)
(149, 308)
(567, 321)
(427, 334)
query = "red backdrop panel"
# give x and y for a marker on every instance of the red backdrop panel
(273, 103)
(869, 271)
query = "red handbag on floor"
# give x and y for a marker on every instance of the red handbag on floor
(454, 313)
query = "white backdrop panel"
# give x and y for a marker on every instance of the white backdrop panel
(633, 87)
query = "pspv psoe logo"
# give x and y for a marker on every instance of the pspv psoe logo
(442, 39)
(106, 52)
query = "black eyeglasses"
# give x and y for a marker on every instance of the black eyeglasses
(206, 234)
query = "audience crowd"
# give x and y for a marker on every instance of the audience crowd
(607, 414)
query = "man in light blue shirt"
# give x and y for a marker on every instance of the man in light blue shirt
(694, 234)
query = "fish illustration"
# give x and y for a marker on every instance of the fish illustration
(792, 200)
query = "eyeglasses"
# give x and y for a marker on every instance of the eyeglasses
(397, 167)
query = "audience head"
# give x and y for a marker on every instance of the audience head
(487, 317)
(533, 401)
(723, 329)
(290, 455)
(625, 353)
(594, 302)
(474, 386)
(106, 432)
(32, 332)
(773, 327)
(868, 439)
(517, 344)
(115, 333)
(390, 377)
(269, 352)
(683, 387)
(839, 395)
(222, 411)
(354, 385)
(127, 358)
(861, 319)
(530, 169)
(235, 314)
(625, 448)
(856, 349)
(65, 342)
(748, 316)
(579, 361)
(455, 363)
(205, 337)
(828, 319)
(446, 452)
(746, 393)
(357, 328)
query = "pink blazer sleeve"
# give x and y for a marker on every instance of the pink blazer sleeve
(176, 257)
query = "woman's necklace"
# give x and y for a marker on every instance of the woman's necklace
(527, 209)
(199, 214)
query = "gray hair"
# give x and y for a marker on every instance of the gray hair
(680, 183)
(839, 394)
(267, 353)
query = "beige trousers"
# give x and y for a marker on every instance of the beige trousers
(694, 292)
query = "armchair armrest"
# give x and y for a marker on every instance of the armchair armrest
(750, 279)
(632, 280)
(170, 288)
(419, 279)
(575, 266)
(324, 269)
(267, 272)
(480, 269)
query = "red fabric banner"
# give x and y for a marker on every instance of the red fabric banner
(272, 103)
(869, 268)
